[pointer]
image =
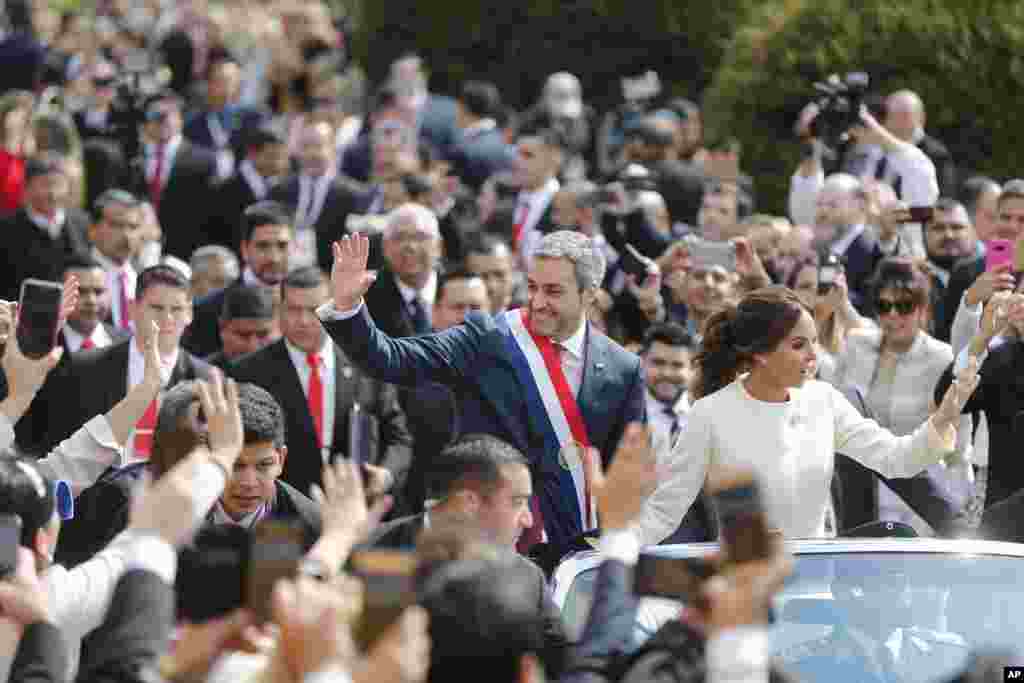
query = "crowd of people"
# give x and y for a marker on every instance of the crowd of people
(409, 320)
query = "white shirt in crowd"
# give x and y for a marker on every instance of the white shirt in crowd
(538, 202)
(327, 380)
(119, 277)
(426, 294)
(791, 448)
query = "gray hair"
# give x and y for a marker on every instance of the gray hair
(418, 215)
(580, 250)
(201, 258)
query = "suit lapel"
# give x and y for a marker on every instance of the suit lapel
(346, 393)
(291, 387)
(594, 389)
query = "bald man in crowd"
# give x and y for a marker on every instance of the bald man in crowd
(905, 118)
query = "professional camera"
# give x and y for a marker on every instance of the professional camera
(140, 78)
(633, 178)
(839, 107)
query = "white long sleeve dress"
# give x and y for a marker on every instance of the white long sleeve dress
(791, 447)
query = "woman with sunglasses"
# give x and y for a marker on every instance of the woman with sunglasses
(758, 406)
(895, 367)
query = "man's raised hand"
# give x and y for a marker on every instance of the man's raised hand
(349, 278)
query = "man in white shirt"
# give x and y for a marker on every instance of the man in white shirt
(538, 160)
(116, 236)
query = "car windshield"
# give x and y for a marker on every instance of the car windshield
(869, 617)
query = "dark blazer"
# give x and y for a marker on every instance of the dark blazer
(475, 360)
(231, 198)
(388, 307)
(1000, 394)
(1002, 521)
(437, 123)
(477, 157)
(945, 167)
(682, 186)
(433, 418)
(272, 369)
(99, 378)
(344, 197)
(860, 260)
(123, 649)
(33, 253)
(357, 160)
(197, 131)
(185, 201)
(964, 273)
(32, 428)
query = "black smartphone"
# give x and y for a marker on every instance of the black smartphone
(709, 253)
(39, 316)
(388, 588)
(634, 264)
(10, 540)
(743, 525)
(276, 550)
(671, 577)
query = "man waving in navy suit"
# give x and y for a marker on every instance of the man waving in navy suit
(541, 378)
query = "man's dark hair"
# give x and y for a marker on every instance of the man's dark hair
(480, 98)
(160, 274)
(669, 334)
(27, 493)
(483, 619)
(549, 137)
(385, 98)
(417, 185)
(247, 301)
(262, 213)
(306, 277)
(485, 243)
(947, 204)
(973, 189)
(80, 262)
(110, 198)
(648, 132)
(262, 416)
(474, 461)
(453, 276)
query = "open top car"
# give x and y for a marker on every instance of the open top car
(862, 610)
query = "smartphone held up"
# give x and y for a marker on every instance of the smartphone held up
(39, 316)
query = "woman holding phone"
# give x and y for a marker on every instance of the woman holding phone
(758, 406)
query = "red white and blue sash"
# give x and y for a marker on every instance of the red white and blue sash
(564, 505)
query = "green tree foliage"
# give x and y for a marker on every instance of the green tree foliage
(966, 60)
(517, 44)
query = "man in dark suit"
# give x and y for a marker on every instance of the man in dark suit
(317, 382)
(321, 198)
(434, 115)
(42, 235)
(265, 245)
(404, 293)
(265, 163)
(101, 377)
(248, 322)
(491, 365)
(482, 150)
(652, 145)
(969, 282)
(489, 256)
(218, 126)
(175, 175)
(538, 160)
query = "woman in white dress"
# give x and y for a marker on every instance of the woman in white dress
(757, 405)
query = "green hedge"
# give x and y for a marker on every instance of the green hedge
(965, 59)
(517, 44)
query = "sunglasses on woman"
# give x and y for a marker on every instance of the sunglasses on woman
(905, 307)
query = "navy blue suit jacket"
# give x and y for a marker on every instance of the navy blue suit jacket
(473, 359)
(477, 157)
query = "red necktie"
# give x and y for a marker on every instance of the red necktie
(87, 344)
(126, 318)
(315, 397)
(142, 445)
(522, 212)
(155, 184)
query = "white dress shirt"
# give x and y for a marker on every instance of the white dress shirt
(99, 336)
(327, 380)
(538, 202)
(50, 227)
(114, 271)
(253, 179)
(572, 357)
(312, 196)
(427, 294)
(220, 517)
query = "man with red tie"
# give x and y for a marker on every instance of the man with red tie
(304, 369)
(95, 380)
(538, 160)
(540, 378)
(116, 235)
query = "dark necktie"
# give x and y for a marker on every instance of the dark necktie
(674, 421)
(420, 319)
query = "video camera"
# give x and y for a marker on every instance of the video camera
(140, 78)
(634, 178)
(839, 107)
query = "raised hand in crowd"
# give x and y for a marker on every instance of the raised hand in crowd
(401, 654)
(23, 598)
(631, 479)
(124, 416)
(749, 266)
(225, 435)
(740, 595)
(947, 416)
(200, 645)
(999, 279)
(314, 638)
(350, 279)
